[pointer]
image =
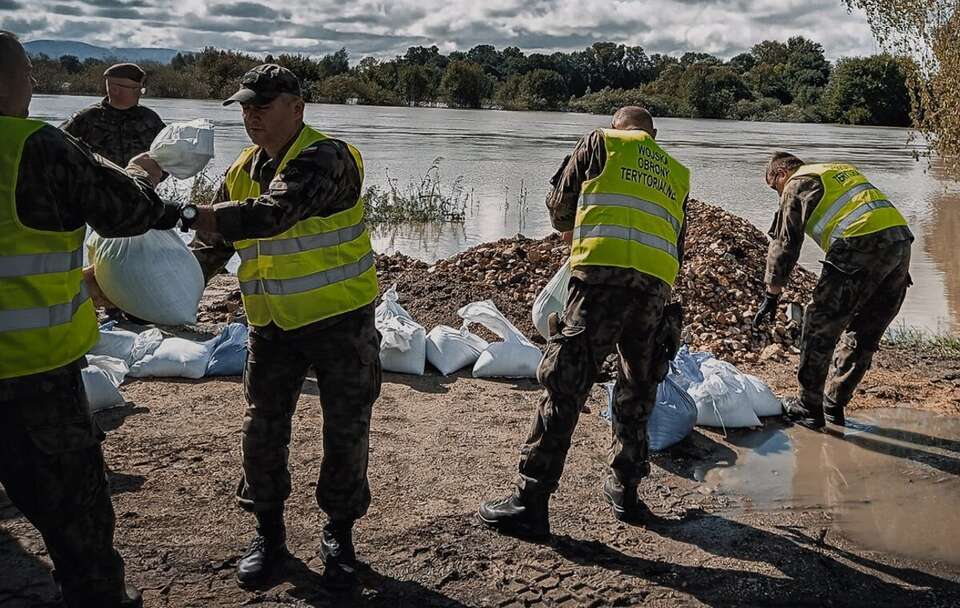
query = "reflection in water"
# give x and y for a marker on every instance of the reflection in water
(891, 482)
(941, 244)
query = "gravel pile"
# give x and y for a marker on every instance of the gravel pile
(720, 285)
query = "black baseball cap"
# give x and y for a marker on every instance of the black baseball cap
(130, 71)
(264, 83)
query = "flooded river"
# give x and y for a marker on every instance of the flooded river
(502, 154)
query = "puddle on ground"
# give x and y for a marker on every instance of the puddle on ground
(890, 480)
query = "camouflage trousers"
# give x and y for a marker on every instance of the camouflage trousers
(597, 319)
(857, 297)
(346, 359)
(52, 468)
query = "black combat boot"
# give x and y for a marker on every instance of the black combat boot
(833, 412)
(267, 551)
(525, 516)
(339, 557)
(627, 506)
(796, 412)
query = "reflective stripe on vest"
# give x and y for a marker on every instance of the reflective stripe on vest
(300, 244)
(49, 316)
(43, 263)
(46, 317)
(621, 200)
(284, 287)
(626, 234)
(631, 215)
(851, 206)
(321, 267)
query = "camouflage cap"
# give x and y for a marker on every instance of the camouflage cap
(264, 83)
(130, 71)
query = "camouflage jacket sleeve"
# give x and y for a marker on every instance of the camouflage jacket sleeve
(322, 180)
(62, 185)
(76, 125)
(585, 163)
(800, 198)
(210, 248)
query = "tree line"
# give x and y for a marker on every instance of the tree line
(788, 81)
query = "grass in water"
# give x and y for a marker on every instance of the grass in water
(921, 339)
(421, 201)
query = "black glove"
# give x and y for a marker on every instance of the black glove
(170, 217)
(768, 309)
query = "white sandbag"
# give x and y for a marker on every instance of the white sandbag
(515, 357)
(450, 350)
(117, 343)
(720, 401)
(183, 149)
(153, 276)
(761, 398)
(175, 358)
(101, 379)
(551, 299)
(673, 417)
(403, 346)
(147, 343)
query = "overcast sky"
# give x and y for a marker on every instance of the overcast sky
(386, 28)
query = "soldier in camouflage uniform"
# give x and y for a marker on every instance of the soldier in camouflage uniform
(117, 127)
(322, 180)
(51, 462)
(607, 309)
(860, 291)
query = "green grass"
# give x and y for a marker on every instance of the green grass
(420, 201)
(924, 340)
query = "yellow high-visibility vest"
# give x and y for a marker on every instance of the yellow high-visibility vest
(319, 268)
(630, 216)
(851, 206)
(46, 317)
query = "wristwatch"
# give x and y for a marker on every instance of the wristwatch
(188, 215)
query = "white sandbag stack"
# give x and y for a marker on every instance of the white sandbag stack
(153, 276)
(450, 350)
(101, 381)
(403, 346)
(552, 298)
(175, 358)
(183, 149)
(515, 357)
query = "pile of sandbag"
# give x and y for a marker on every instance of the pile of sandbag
(725, 396)
(406, 347)
(702, 390)
(120, 353)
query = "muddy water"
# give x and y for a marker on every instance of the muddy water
(890, 482)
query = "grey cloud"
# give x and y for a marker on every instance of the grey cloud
(66, 9)
(10, 5)
(23, 27)
(75, 30)
(250, 10)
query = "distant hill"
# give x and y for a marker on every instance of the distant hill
(82, 50)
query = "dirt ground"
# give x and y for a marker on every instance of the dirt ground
(439, 447)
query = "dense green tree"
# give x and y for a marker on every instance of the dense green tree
(868, 91)
(71, 64)
(464, 84)
(771, 52)
(806, 70)
(742, 63)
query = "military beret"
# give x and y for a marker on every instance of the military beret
(130, 71)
